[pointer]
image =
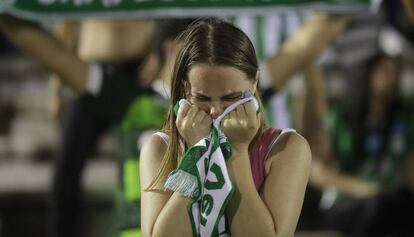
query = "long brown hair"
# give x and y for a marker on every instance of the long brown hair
(209, 41)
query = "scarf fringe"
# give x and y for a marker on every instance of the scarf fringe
(182, 182)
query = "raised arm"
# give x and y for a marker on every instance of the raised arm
(304, 46)
(41, 46)
(313, 128)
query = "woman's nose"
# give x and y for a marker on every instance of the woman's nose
(215, 111)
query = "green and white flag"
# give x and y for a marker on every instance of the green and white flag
(202, 175)
(121, 9)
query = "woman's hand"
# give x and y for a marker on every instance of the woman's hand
(240, 126)
(192, 123)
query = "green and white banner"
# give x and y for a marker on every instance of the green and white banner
(121, 9)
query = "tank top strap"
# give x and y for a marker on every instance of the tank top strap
(260, 152)
(163, 136)
(276, 138)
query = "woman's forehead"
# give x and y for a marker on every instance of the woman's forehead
(208, 77)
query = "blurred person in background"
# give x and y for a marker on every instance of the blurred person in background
(391, 213)
(117, 94)
(103, 96)
(299, 54)
(366, 157)
(389, 155)
(370, 144)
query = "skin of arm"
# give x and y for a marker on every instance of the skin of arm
(67, 33)
(304, 46)
(313, 128)
(163, 213)
(47, 50)
(325, 177)
(114, 40)
(276, 209)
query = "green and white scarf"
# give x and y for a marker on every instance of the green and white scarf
(202, 175)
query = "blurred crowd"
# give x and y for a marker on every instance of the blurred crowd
(343, 81)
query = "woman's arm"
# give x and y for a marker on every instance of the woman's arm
(41, 46)
(162, 213)
(324, 177)
(313, 127)
(276, 210)
(165, 213)
(305, 46)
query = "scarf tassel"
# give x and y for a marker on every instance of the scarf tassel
(183, 182)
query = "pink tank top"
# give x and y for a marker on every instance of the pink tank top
(258, 155)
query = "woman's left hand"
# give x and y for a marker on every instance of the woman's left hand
(240, 126)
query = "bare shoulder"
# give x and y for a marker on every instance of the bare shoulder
(153, 149)
(290, 148)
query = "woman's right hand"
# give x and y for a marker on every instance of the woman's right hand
(192, 123)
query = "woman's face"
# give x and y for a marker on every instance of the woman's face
(214, 88)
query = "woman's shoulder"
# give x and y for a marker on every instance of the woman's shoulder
(163, 135)
(289, 145)
(155, 147)
(270, 137)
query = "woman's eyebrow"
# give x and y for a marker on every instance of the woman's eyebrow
(198, 94)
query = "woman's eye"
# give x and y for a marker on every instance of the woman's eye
(232, 98)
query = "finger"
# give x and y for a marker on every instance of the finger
(183, 110)
(192, 112)
(252, 115)
(200, 116)
(232, 115)
(232, 119)
(240, 111)
(225, 122)
(207, 119)
(250, 109)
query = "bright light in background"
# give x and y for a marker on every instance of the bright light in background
(391, 42)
